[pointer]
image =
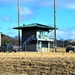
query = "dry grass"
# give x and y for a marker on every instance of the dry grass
(37, 54)
(37, 63)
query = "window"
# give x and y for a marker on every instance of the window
(42, 34)
(45, 33)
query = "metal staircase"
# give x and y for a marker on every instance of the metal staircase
(29, 39)
(24, 46)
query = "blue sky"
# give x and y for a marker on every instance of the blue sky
(38, 11)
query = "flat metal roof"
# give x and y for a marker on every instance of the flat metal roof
(34, 25)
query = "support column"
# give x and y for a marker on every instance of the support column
(49, 42)
(40, 46)
(49, 46)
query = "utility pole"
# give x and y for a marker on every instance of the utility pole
(55, 42)
(19, 23)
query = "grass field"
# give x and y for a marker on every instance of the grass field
(37, 63)
(37, 54)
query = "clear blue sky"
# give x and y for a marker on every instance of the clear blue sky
(38, 11)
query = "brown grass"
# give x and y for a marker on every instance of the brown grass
(37, 54)
(37, 63)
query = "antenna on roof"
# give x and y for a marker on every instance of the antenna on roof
(23, 24)
(19, 23)
(55, 42)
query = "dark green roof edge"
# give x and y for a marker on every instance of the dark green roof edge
(34, 25)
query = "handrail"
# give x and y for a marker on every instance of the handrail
(30, 38)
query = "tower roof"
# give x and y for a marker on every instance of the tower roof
(34, 25)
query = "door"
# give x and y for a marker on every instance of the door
(44, 47)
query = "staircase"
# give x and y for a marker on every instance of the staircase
(24, 46)
(29, 39)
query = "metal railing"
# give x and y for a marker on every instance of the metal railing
(30, 39)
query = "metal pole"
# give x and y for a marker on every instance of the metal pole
(63, 47)
(55, 42)
(37, 45)
(19, 23)
(25, 48)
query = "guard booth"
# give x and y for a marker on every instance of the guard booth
(36, 37)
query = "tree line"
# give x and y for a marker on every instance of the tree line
(7, 39)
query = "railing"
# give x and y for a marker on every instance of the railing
(27, 41)
(45, 39)
(30, 39)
